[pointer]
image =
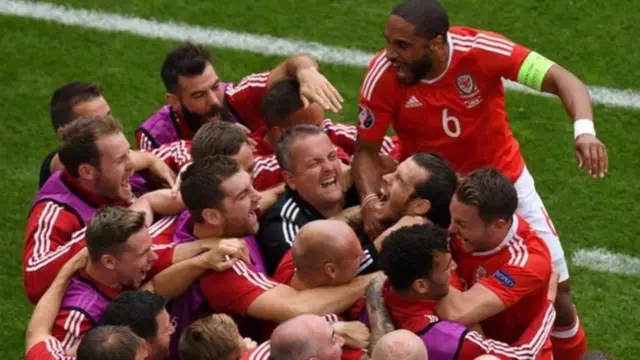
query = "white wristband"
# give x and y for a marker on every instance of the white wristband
(583, 126)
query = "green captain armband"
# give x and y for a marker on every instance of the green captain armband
(533, 70)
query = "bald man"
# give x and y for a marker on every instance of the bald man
(327, 253)
(324, 253)
(304, 337)
(400, 344)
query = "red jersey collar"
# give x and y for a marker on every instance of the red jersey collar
(87, 195)
(109, 292)
(409, 313)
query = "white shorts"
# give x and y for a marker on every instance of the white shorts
(531, 208)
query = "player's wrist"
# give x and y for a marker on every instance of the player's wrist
(583, 126)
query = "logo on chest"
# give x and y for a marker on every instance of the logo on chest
(468, 90)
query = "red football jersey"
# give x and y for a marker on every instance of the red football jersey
(234, 290)
(245, 99)
(48, 349)
(461, 114)
(517, 271)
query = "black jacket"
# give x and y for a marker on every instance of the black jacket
(280, 225)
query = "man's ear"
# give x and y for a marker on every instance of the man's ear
(108, 261)
(288, 179)
(212, 217)
(418, 207)
(173, 100)
(420, 286)
(87, 172)
(331, 270)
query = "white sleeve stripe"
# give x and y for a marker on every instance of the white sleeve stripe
(54, 348)
(518, 251)
(52, 256)
(262, 352)
(72, 328)
(161, 225)
(256, 279)
(485, 38)
(243, 86)
(288, 214)
(369, 83)
(465, 48)
(522, 352)
(376, 79)
(42, 236)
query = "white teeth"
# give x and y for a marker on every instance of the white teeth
(329, 181)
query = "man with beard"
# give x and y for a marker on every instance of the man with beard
(418, 264)
(314, 190)
(195, 95)
(420, 190)
(441, 89)
(222, 203)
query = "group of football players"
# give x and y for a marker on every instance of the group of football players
(247, 225)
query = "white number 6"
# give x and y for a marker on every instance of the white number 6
(446, 124)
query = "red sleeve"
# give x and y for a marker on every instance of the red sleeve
(266, 173)
(529, 345)
(499, 56)
(379, 95)
(234, 290)
(70, 326)
(343, 156)
(512, 283)
(143, 142)
(245, 98)
(49, 243)
(49, 349)
(175, 154)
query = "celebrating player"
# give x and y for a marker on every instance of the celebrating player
(441, 88)
(196, 95)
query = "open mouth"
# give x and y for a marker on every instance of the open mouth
(253, 215)
(329, 182)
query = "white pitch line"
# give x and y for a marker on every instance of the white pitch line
(261, 44)
(605, 261)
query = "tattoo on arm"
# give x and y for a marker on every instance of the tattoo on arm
(352, 216)
(379, 317)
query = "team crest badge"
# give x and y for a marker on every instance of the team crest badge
(481, 273)
(466, 85)
(365, 117)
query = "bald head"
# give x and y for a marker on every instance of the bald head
(400, 344)
(487, 357)
(325, 252)
(303, 337)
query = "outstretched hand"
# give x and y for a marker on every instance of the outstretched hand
(591, 154)
(314, 87)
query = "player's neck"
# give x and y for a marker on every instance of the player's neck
(202, 231)
(299, 284)
(410, 294)
(439, 67)
(102, 275)
(498, 236)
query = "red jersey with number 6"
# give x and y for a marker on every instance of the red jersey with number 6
(461, 114)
